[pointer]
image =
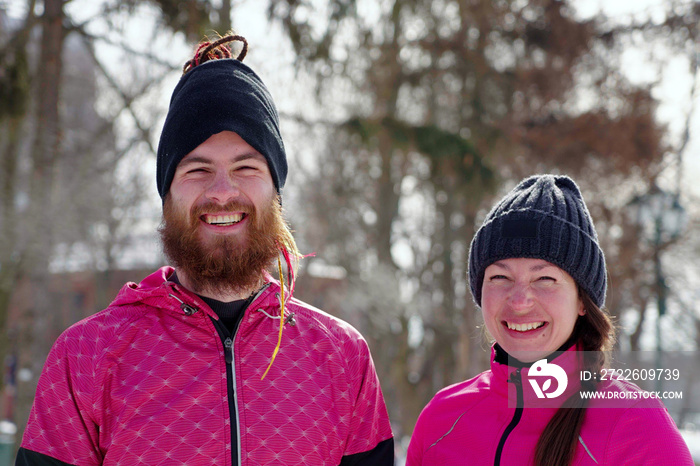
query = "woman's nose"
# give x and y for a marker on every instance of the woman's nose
(520, 297)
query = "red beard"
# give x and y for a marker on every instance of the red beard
(223, 264)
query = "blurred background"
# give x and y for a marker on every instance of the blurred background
(404, 121)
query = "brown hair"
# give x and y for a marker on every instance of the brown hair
(595, 332)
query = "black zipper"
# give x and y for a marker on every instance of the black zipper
(227, 340)
(516, 379)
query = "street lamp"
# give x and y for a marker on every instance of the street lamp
(662, 218)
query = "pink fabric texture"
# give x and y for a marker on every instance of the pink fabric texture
(143, 383)
(464, 423)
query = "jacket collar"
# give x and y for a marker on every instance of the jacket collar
(500, 356)
(508, 371)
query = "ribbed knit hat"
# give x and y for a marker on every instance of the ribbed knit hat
(543, 217)
(215, 96)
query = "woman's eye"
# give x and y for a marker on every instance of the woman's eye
(547, 278)
(498, 277)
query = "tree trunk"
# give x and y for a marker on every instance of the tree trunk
(225, 17)
(45, 152)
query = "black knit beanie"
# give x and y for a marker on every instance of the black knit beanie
(215, 96)
(543, 217)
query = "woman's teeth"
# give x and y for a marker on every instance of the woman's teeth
(524, 327)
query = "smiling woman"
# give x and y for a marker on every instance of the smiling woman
(538, 273)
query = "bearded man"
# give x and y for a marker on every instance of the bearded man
(213, 362)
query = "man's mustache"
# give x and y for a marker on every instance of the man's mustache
(213, 208)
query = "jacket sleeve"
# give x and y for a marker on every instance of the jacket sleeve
(647, 436)
(29, 457)
(370, 441)
(61, 424)
(425, 426)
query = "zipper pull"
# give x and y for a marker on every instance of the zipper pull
(228, 350)
(290, 320)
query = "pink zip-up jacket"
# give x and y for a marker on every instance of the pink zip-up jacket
(145, 382)
(496, 418)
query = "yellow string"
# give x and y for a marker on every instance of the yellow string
(279, 337)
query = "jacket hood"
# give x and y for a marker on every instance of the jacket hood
(153, 285)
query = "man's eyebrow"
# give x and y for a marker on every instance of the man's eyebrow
(192, 159)
(249, 155)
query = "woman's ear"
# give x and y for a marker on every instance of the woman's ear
(581, 307)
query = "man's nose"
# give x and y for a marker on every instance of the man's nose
(222, 189)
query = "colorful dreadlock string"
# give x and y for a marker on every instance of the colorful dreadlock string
(291, 280)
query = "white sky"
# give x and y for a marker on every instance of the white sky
(674, 91)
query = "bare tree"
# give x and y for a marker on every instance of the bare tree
(71, 122)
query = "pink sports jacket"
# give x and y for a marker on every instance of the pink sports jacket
(145, 382)
(496, 418)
